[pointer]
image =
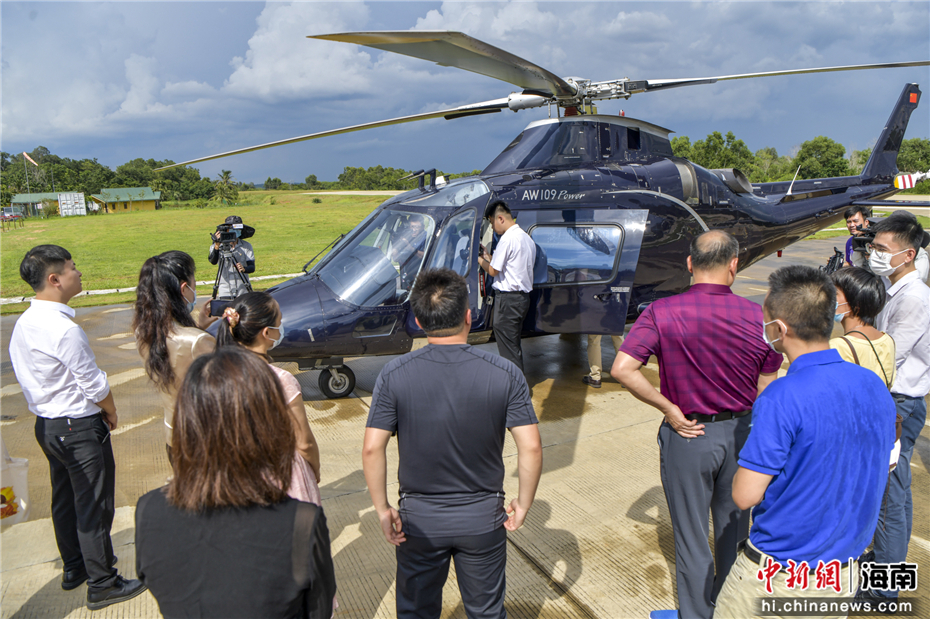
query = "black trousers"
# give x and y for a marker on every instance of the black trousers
(423, 566)
(510, 310)
(83, 474)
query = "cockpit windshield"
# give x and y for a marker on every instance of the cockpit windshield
(547, 145)
(380, 263)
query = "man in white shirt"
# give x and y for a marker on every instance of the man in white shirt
(75, 412)
(906, 318)
(512, 267)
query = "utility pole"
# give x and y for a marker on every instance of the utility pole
(26, 170)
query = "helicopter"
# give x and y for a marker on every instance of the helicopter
(610, 207)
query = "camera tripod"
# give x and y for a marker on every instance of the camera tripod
(227, 261)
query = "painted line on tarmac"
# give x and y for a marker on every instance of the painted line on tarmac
(125, 377)
(87, 293)
(115, 336)
(133, 426)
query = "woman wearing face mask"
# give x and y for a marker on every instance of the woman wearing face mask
(860, 296)
(253, 321)
(167, 337)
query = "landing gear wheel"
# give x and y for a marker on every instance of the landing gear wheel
(337, 382)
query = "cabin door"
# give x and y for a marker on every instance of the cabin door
(590, 262)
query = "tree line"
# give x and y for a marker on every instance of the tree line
(817, 158)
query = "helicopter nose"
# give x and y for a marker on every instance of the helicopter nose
(301, 315)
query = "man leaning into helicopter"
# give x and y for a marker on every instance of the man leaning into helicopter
(512, 268)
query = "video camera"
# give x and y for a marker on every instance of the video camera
(227, 234)
(860, 243)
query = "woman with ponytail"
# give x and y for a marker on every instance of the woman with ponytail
(253, 321)
(167, 337)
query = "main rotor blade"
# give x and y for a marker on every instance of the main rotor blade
(472, 109)
(648, 85)
(455, 49)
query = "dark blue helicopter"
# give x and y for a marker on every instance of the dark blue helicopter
(611, 210)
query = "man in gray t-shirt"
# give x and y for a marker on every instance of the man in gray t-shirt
(450, 405)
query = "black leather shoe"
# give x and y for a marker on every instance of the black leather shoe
(873, 598)
(72, 579)
(121, 591)
(590, 381)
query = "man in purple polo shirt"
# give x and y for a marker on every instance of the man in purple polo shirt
(713, 363)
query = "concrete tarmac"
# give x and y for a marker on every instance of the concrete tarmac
(597, 542)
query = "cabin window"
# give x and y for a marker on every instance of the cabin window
(379, 265)
(453, 247)
(578, 254)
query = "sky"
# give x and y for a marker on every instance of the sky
(179, 80)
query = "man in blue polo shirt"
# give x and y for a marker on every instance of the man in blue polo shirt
(816, 461)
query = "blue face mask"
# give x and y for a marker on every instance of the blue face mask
(191, 304)
(839, 317)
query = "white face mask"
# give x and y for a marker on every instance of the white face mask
(771, 343)
(191, 304)
(280, 337)
(880, 263)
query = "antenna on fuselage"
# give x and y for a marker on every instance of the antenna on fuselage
(792, 181)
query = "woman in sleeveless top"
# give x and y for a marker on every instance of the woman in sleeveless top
(166, 335)
(253, 321)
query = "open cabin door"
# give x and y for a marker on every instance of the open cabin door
(590, 262)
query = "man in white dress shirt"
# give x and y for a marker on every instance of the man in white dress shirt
(906, 318)
(75, 412)
(512, 268)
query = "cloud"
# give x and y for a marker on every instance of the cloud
(282, 64)
(180, 80)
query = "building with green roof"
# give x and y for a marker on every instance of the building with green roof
(127, 199)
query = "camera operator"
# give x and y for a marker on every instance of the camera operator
(856, 216)
(233, 276)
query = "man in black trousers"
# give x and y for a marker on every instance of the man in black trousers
(450, 440)
(512, 266)
(75, 413)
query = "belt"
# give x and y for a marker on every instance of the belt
(724, 416)
(59, 425)
(509, 291)
(755, 556)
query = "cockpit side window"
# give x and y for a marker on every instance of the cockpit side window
(379, 265)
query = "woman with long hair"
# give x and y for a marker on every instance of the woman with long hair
(167, 337)
(223, 539)
(253, 321)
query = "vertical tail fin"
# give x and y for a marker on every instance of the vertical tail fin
(884, 159)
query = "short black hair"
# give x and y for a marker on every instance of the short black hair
(40, 261)
(904, 228)
(804, 298)
(440, 301)
(864, 292)
(497, 208)
(857, 209)
(713, 249)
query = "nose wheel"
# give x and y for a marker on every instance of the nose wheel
(337, 382)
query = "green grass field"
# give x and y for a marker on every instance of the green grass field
(109, 249)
